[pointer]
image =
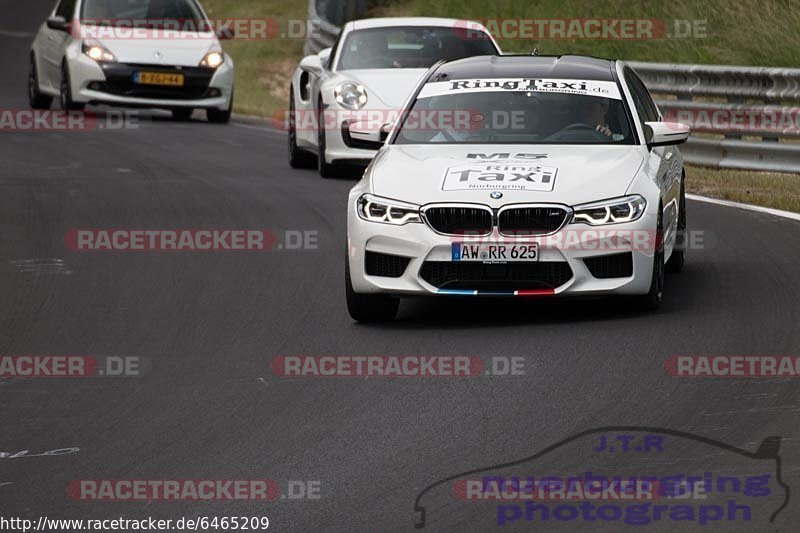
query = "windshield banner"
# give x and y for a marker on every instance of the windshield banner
(603, 89)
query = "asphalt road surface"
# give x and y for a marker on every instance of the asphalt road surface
(208, 326)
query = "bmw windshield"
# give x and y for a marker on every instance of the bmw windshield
(517, 111)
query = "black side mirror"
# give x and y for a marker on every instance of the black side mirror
(57, 23)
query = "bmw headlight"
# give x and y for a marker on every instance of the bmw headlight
(350, 95)
(97, 51)
(213, 60)
(377, 209)
(615, 211)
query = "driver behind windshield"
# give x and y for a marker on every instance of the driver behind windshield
(592, 111)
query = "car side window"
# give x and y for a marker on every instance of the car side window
(645, 107)
(334, 48)
(66, 9)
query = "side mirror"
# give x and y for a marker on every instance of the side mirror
(324, 56)
(57, 23)
(311, 64)
(665, 133)
(224, 34)
(357, 135)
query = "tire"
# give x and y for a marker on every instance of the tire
(326, 170)
(36, 99)
(298, 158)
(652, 300)
(65, 93)
(217, 116)
(182, 113)
(678, 257)
(368, 308)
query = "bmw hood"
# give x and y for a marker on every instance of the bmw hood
(571, 175)
(386, 88)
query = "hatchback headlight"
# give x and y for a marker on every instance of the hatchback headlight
(615, 211)
(350, 95)
(97, 51)
(213, 60)
(377, 209)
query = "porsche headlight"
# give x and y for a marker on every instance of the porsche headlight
(350, 95)
(97, 51)
(615, 211)
(213, 60)
(377, 209)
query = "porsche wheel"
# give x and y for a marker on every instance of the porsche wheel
(298, 158)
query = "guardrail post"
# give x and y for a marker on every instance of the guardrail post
(771, 138)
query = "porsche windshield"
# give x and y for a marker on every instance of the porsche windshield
(409, 47)
(517, 111)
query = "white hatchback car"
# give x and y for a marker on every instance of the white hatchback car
(134, 53)
(561, 179)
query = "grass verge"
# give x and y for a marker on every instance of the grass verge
(768, 189)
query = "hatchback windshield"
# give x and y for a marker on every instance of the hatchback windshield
(517, 111)
(409, 47)
(152, 11)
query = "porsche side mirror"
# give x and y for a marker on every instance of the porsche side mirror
(324, 56)
(665, 133)
(311, 64)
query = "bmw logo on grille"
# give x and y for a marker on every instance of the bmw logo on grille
(496, 195)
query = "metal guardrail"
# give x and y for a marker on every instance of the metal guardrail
(756, 102)
(677, 87)
(326, 19)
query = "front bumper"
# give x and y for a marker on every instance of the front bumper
(562, 268)
(336, 146)
(112, 83)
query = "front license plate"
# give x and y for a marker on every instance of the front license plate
(158, 78)
(495, 253)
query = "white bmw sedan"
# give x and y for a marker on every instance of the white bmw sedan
(135, 53)
(364, 79)
(519, 176)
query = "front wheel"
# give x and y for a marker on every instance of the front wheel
(368, 307)
(67, 103)
(220, 116)
(678, 257)
(652, 300)
(36, 99)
